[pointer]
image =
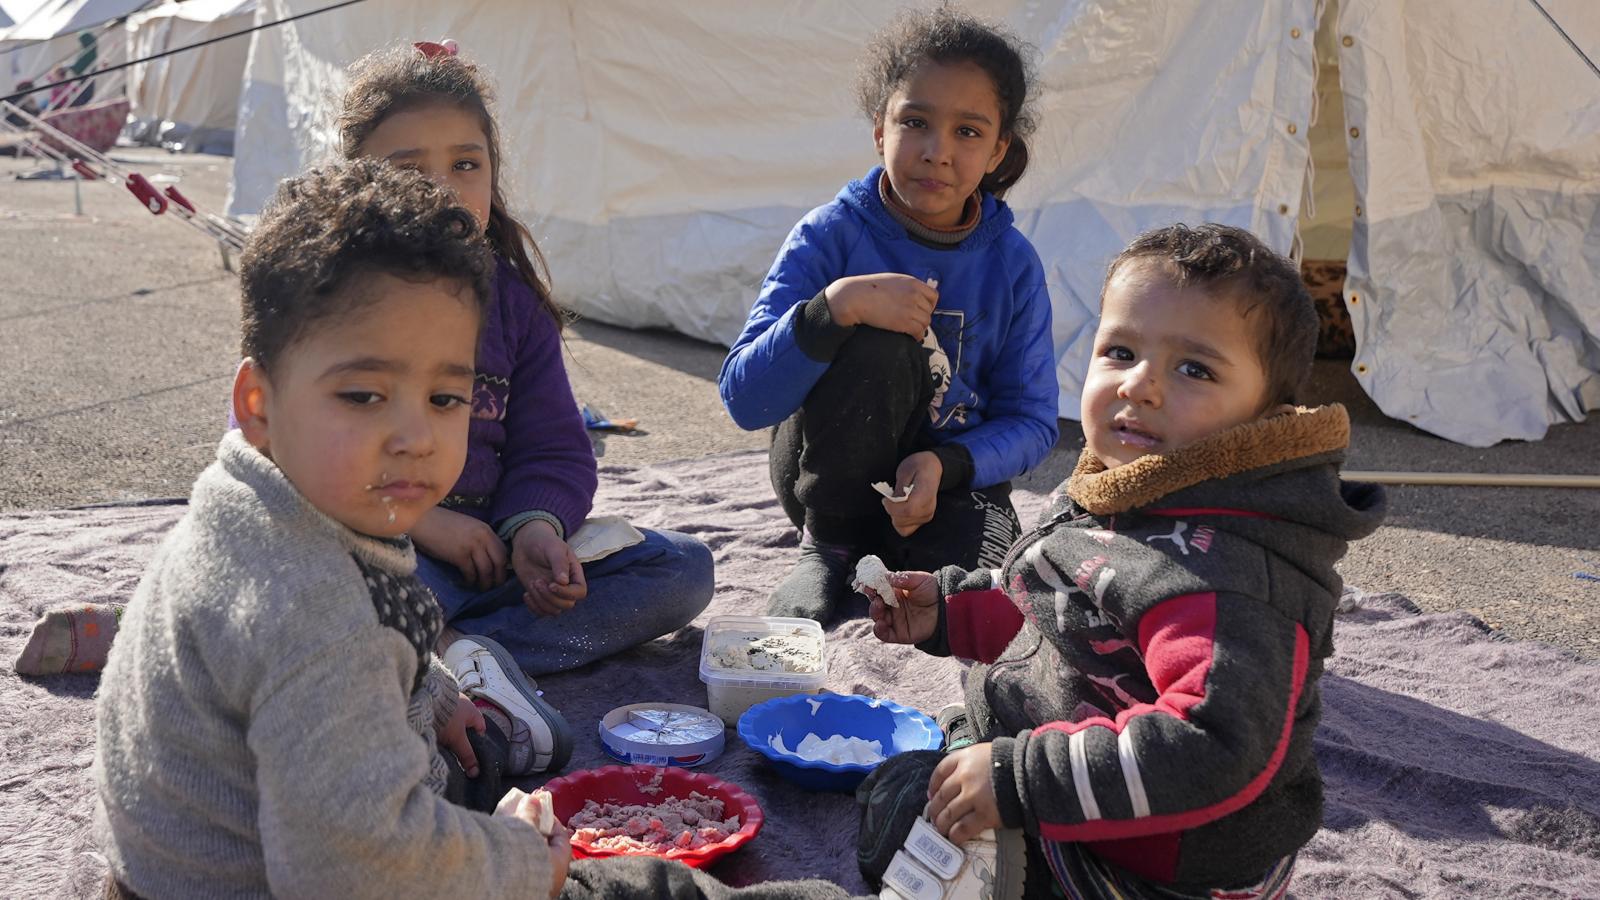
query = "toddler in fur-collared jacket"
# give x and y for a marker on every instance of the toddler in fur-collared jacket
(1141, 724)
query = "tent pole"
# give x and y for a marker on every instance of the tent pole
(1476, 479)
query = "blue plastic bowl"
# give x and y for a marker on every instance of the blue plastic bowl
(897, 728)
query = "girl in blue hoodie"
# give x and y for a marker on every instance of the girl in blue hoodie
(902, 336)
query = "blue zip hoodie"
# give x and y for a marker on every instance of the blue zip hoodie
(993, 321)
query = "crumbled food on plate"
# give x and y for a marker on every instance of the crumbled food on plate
(686, 823)
(793, 652)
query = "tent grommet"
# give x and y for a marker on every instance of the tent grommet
(1348, 41)
(1294, 33)
(1355, 132)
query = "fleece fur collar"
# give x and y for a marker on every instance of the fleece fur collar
(1303, 433)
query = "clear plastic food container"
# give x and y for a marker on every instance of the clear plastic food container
(747, 659)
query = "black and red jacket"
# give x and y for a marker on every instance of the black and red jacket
(1153, 647)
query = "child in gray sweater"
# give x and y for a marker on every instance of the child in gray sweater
(270, 718)
(271, 715)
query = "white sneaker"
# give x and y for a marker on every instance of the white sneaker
(541, 740)
(991, 866)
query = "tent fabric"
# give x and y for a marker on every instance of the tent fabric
(54, 18)
(47, 36)
(660, 153)
(1474, 280)
(199, 88)
(14, 11)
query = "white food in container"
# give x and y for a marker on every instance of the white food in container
(745, 660)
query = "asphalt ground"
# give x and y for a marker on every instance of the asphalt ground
(118, 344)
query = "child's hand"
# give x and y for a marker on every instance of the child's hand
(886, 300)
(551, 575)
(454, 735)
(464, 542)
(914, 620)
(526, 807)
(961, 800)
(560, 858)
(920, 471)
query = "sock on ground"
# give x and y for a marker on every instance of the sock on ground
(74, 638)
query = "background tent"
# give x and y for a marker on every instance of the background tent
(11, 13)
(195, 92)
(661, 154)
(14, 11)
(49, 36)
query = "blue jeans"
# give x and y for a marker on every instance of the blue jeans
(635, 595)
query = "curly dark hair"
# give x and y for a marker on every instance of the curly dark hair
(330, 225)
(947, 36)
(1230, 262)
(399, 78)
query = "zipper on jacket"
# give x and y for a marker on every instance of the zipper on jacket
(1038, 531)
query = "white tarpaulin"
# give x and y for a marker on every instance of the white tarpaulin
(48, 36)
(199, 87)
(1475, 150)
(14, 11)
(660, 152)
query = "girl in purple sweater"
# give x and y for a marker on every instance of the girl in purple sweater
(495, 550)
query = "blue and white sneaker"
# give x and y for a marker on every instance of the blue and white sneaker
(541, 740)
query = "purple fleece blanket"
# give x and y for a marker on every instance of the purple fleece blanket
(1457, 765)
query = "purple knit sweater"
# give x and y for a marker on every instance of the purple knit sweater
(527, 449)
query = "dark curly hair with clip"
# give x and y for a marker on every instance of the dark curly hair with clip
(948, 36)
(399, 78)
(328, 227)
(1231, 263)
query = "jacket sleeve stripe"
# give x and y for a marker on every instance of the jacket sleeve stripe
(981, 623)
(1080, 776)
(1130, 773)
(1113, 829)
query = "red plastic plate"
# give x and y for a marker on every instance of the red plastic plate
(625, 784)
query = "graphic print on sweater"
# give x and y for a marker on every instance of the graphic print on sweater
(946, 330)
(490, 396)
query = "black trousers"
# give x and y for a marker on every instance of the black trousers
(860, 420)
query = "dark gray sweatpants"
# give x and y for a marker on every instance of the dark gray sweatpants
(858, 422)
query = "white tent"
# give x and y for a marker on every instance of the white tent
(14, 11)
(47, 36)
(660, 152)
(197, 89)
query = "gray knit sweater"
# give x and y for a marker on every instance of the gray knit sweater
(267, 718)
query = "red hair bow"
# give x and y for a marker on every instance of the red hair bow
(434, 50)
